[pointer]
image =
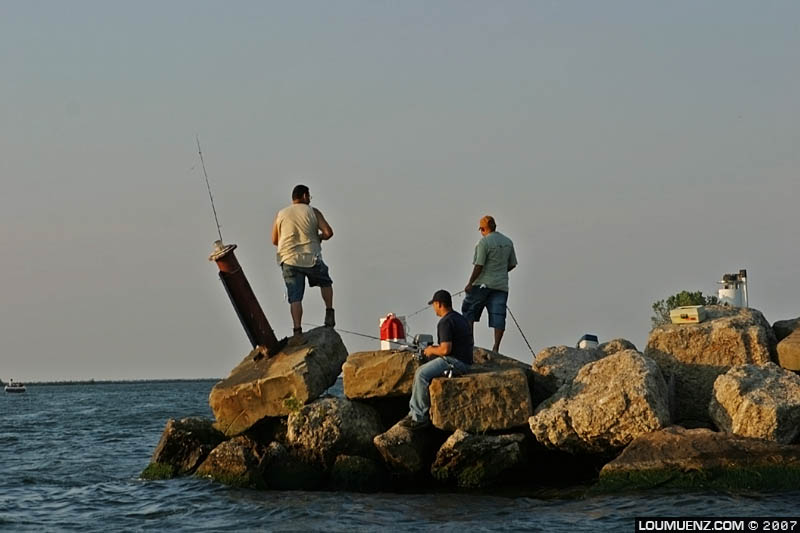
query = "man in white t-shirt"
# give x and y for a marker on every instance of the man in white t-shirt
(298, 231)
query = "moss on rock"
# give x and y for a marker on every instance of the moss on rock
(764, 478)
(159, 471)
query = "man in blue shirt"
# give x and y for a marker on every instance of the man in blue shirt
(488, 284)
(452, 356)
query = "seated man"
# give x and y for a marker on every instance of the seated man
(452, 355)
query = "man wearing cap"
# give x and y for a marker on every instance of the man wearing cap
(297, 232)
(488, 284)
(452, 356)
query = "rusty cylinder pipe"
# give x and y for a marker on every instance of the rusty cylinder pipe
(244, 300)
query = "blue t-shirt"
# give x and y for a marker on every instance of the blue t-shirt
(454, 328)
(495, 253)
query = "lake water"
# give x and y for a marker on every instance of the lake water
(71, 455)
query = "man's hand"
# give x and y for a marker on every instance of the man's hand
(440, 350)
(325, 229)
(476, 271)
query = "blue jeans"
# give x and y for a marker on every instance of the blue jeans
(295, 279)
(492, 299)
(420, 402)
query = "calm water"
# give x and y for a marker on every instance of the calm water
(71, 456)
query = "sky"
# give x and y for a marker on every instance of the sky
(630, 149)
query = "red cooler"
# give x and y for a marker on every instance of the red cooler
(393, 332)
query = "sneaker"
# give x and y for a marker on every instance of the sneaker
(330, 320)
(414, 425)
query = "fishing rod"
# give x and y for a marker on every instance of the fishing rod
(418, 311)
(521, 332)
(509, 312)
(208, 186)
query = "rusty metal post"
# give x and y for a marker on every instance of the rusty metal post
(244, 301)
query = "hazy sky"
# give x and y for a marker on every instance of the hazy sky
(630, 150)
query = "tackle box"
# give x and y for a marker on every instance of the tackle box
(688, 314)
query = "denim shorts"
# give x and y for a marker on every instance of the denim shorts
(493, 300)
(295, 279)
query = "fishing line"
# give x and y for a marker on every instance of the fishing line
(208, 186)
(418, 311)
(345, 331)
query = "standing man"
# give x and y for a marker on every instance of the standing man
(298, 231)
(453, 355)
(488, 285)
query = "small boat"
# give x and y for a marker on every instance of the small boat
(15, 386)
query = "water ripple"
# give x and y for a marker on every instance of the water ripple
(72, 455)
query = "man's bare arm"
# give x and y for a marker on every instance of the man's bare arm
(325, 229)
(440, 350)
(275, 234)
(476, 271)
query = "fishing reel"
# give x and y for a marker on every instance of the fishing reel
(419, 354)
(422, 341)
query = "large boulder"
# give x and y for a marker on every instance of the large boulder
(784, 328)
(236, 462)
(482, 401)
(695, 354)
(758, 401)
(183, 446)
(472, 461)
(558, 365)
(488, 360)
(353, 473)
(701, 458)
(616, 345)
(611, 402)
(277, 385)
(378, 374)
(320, 431)
(404, 451)
(282, 470)
(390, 373)
(789, 351)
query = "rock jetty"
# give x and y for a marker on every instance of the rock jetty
(611, 415)
(696, 354)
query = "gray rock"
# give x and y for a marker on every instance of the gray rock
(610, 402)
(481, 401)
(278, 385)
(558, 365)
(784, 328)
(486, 360)
(758, 401)
(404, 451)
(236, 462)
(183, 446)
(472, 461)
(283, 471)
(616, 345)
(329, 427)
(680, 457)
(695, 354)
(357, 474)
